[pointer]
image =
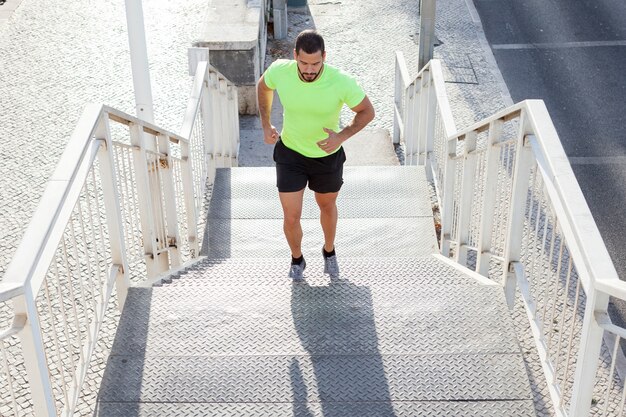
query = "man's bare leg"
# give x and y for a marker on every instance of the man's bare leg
(292, 212)
(327, 203)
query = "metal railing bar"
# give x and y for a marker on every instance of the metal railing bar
(147, 127)
(10, 290)
(79, 278)
(570, 344)
(530, 307)
(78, 337)
(505, 115)
(556, 291)
(94, 234)
(611, 374)
(568, 280)
(604, 321)
(87, 349)
(193, 103)
(56, 340)
(9, 380)
(585, 233)
(63, 311)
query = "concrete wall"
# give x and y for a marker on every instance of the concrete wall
(236, 35)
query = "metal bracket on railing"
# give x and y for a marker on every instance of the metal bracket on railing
(103, 142)
(19, 321)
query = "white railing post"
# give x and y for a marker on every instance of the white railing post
(190, 203)
(169, 195)
(156, 263)
(422, 116)
(447, 203)
(515, 222)
(588, 354)
(485, 231)
(34, 353)
(429, 128)
(411, 117)
(207, 111)
(108, 178)
(224, 140)
(233, 136)
(467, 196)
(400, 93)
(216, 120)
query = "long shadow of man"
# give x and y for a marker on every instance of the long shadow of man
(335, 324)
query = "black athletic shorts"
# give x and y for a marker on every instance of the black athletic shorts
(294, 170)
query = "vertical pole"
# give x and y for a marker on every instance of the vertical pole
(190, 204)
(34, 352)
(447, 202)
(139, 60)
(467, 197)
(156, 262)
(108, 177)
(427, 33)
(407, 118)
(430, 124)
(397, 99)
(169, 195)
(489, 199)
(422, 117)
(206, 109)
(515, 223)
(279, 8)
(588, 354)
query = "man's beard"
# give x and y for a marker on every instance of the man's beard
(309, 77)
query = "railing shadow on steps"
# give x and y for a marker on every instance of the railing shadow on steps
(512, 210)
(122, 209)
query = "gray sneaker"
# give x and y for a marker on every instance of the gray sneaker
(296, 272)
(331, 267)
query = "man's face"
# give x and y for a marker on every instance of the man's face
(309, 65)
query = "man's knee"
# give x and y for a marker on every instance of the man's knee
(327, 202)
(292, 219)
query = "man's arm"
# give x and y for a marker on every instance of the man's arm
(364, 114)
(265, 97)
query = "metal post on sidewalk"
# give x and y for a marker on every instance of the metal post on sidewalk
(427, 32)
(139, 60)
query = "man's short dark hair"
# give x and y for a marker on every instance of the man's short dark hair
(310, 42)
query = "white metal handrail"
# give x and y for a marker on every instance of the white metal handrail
(121, 209)
(512, 211)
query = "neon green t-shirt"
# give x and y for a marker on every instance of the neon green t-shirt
(310, 107)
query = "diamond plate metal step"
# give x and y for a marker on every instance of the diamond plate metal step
(517, 408)
(359, 182)
(359, 271)
(341, 318)
(334, 378)
(259, 238)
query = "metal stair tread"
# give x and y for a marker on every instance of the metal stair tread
(517, 408)
(316, 378)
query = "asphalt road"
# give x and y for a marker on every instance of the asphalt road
(572, 54)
